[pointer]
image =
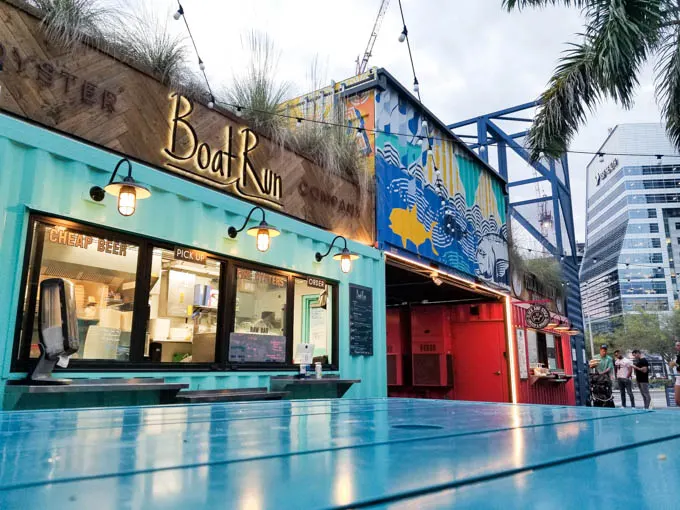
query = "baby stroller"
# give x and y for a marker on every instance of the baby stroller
(601, 390)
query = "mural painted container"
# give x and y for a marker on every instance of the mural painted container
(435, 198)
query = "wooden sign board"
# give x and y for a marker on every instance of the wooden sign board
(91, 95)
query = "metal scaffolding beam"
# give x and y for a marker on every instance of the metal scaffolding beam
(490, 133)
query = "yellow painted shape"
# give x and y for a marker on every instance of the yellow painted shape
(405, 224)
(485, 197)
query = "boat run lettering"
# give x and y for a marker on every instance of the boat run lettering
(229, 166)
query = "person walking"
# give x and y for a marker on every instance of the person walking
(676, 364)
(624, 374)
(641, 367)
(601, 379)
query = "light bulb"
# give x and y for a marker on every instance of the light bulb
(402, 37)
(419, 141)
(424, 125)
(201, 65)
(239, 112)
(263, 239)
(127, 200)
(346, 263)
(211, 104)
(178, 14)
(601, 158)
(416, 86)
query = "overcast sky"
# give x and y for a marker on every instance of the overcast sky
(471, 56)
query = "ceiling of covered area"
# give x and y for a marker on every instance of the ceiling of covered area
(406, 285)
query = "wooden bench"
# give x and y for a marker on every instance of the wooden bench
(234, 395)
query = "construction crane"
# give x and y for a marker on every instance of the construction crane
(545, 217)
(363, 63)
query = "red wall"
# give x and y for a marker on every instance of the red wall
(470, 338)
(543, 392)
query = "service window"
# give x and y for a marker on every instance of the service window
(183, 307)
(103, 268)
(313, 317)
(259, 333)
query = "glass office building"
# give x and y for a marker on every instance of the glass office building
(632, 226)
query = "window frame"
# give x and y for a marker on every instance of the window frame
(289, 318)
(21, 362)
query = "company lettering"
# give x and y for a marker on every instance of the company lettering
(329, 200)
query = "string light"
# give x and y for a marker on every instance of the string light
(211, 103)
(601, 157)
(179, 13)
(404, 33)
(416, 85)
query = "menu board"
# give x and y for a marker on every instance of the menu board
(670, 396)
(360, 321)
(254, 348)
(522, 354)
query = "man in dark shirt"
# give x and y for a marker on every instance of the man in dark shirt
(641, 366)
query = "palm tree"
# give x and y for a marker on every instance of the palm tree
(619, 37)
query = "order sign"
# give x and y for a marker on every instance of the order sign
(537, 316)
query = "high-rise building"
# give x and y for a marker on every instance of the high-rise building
(632, 226)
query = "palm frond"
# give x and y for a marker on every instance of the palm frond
(69, 22)
(523, 4)
(619, 36)
(574, 90)
(668, 82)
(622, 33)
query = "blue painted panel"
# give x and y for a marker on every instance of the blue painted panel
(396, 453)
(46, 172)
(439, 204)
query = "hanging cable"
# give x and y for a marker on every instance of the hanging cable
(201, 65)
(402, 36)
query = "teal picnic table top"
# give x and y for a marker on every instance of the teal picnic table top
(342, 453)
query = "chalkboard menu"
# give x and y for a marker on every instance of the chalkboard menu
(670, 396)
(254, 348)
(360, 321)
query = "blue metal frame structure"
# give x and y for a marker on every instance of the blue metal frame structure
(564, 247)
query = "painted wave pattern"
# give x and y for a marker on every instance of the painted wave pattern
(459, 228)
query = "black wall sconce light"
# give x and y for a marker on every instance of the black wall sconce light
(128, 191)
(263, 232)
(344, 256)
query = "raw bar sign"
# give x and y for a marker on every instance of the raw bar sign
(229, 165)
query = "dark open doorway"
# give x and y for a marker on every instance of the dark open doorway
(445, 337)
